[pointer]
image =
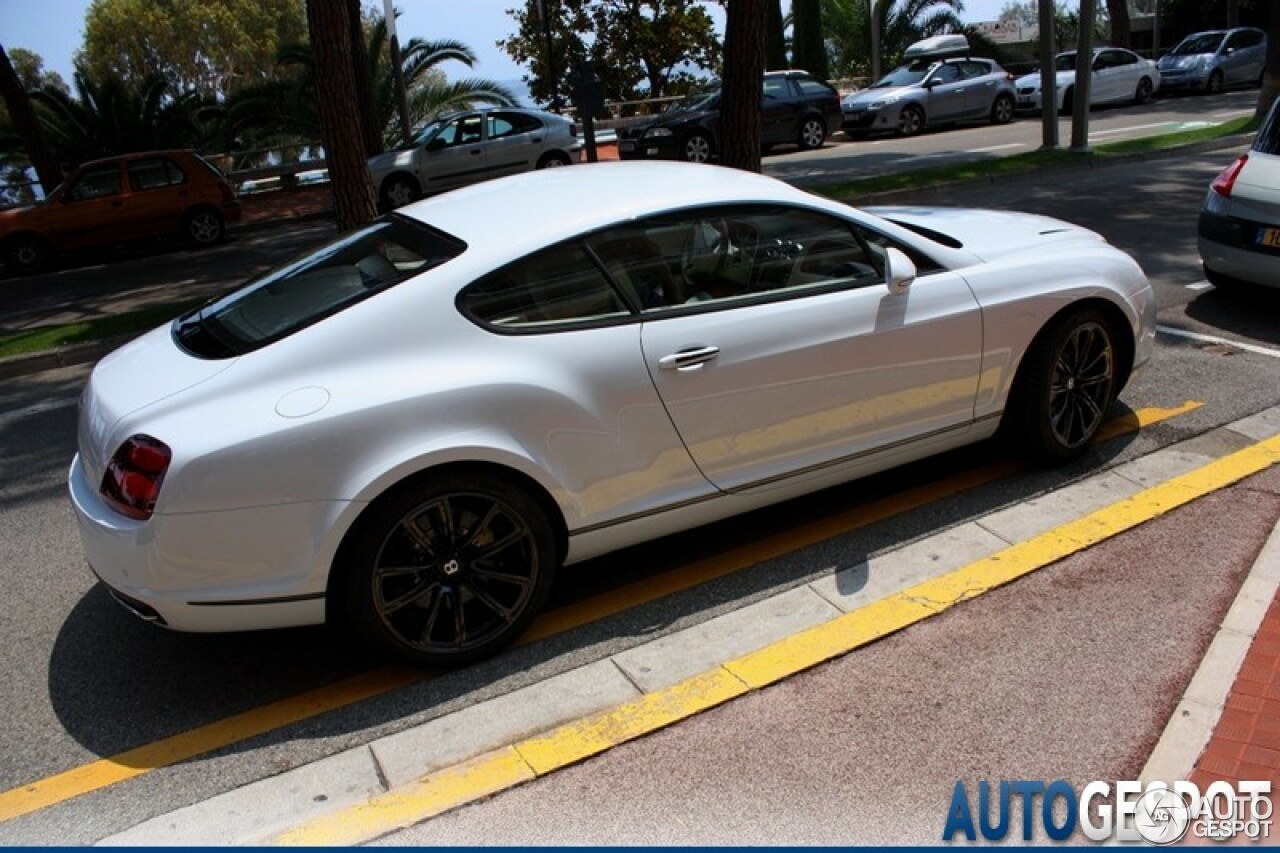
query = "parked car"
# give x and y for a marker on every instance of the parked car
(795, 108)
(1239, 228)
(119, 200)
(412, 427)
(940, 84)
(1215, 60)
(463, 148)
(1117, 76)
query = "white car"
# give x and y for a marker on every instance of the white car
(1239, 227)
(1117, 76)
(463, 148)
(412, 427)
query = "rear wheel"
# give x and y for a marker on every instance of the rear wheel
(203, 227)
(450, 569)
(27, 254)
(1002, 110)
(1143, 93)
(910, 120)
(554, 159)
(813, 132)
(1064, 387)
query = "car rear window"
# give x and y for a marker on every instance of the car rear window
(320, 284)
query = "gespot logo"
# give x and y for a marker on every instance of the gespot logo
(1155, 812)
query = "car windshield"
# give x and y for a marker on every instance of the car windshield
(423, 136)
(697, 101)
(317, 285)
(1064, 62)
(907, 75)
(1198, 43)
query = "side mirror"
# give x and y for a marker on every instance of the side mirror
(899, 271)
(437, 144)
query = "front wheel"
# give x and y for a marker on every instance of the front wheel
(27, 254)
(910, 121)
(813, 132)
(697, 148)
(399, 190)
(449, 570)
(1215, 84)
(1064, 387)
(203, 227)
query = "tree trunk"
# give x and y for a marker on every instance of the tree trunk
(1118, 12)
(775, 48)
(23, 116)
(807, 46)
(369, 130)
(1271, 76)
(743, 79)
(353, 202)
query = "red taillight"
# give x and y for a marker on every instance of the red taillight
(1223, 184)
(134, 475)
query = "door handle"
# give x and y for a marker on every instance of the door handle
(686, 359)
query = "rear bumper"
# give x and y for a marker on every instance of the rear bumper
(1230, 246)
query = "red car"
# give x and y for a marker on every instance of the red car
(118, 200)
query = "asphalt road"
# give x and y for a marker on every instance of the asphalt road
(84, 681)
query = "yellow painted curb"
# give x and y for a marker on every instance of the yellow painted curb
(595, 734)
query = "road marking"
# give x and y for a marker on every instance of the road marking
(1213, 339)
(105, 772)
(1233, 113)
(997, 147)
(39, 408)
(1199, 285)
(569, 744)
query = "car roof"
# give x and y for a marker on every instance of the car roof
(138, 155)
(536, 209)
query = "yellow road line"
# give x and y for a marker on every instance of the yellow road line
(438, 792)
(126, 765)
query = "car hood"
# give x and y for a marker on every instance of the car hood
(988, 234)
(1183, 61)
(673, 119)
(399, 159)
(869, 96)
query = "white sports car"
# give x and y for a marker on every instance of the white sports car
(413, 426)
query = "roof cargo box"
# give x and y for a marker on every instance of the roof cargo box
(938, 47)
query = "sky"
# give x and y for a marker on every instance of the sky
(55, 29)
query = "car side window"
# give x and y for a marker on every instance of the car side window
(154, 174)
(544, 291)
(775, 87)
(510, 124)
(732, 256)
(948, 72)
(812, 86)
(96, 182)
(972, 70)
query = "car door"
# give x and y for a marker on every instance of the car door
(455, 156)
(980, 87)
(159, 194)
(92, 210)
(779, 105)
(513, 141)
(948, 93)
(1242, 58)
(780, 348)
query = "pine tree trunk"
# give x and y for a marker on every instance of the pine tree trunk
(353, 201)
(743, 75)
(808, 48)
(23, 116)
(775, 50)
(1118, 12)
(371, 133)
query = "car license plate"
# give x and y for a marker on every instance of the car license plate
(1269, 237)
(626, 145)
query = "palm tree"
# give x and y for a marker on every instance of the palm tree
(106, 117)
(287, 108)
(846, 24)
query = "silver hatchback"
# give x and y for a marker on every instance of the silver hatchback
(1215, 60)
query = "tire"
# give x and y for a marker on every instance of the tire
(1215, 84)
(399, 190)
(697, 148)
(448, 569)
(27, 254)
(203, 227)
(1068, 102)
(910, 120)
(553, 160)
(1142, 94)
(813, 132)
(1002, 110)
(1064, 386)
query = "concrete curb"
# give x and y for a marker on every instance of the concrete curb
(465, 741)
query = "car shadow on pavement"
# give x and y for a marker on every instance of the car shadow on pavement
(1252, 312)
(117, 683)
